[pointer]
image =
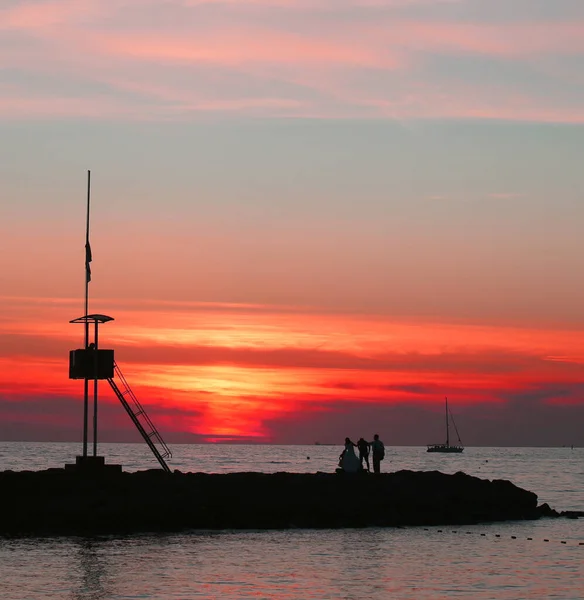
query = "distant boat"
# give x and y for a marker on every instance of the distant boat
(447, 447)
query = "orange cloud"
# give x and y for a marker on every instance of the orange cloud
(237, 367)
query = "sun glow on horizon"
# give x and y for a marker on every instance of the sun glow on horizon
(231, 372)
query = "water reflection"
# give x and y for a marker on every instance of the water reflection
(91, 566)
(410, 564)
(365, 562)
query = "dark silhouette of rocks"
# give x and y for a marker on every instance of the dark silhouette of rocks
(546, 511)
(60, 502)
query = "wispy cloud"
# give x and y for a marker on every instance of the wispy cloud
(505, 195)
(312, 58)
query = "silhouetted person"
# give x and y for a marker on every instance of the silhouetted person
(348, 460)
(378, 450)
(364, 452)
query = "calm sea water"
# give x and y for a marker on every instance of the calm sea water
(495, 561)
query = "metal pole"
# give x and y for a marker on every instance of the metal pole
(85, 415)
(95, 366)
(86, 385)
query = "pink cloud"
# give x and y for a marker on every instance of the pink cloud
(384, 46)
(20, 106)
(47, 15)
(239, 47)
(525, 39)
(324, 72)
(460, 102)
(114, 108)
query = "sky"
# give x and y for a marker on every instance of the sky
(310, 219)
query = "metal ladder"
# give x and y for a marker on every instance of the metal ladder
(140, 419)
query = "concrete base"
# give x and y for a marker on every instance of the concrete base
(92, 464)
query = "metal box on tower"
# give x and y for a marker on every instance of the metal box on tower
(91, 364)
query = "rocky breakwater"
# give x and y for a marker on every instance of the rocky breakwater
(59, 502)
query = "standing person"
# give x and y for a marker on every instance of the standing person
(378, 449)
(364, 452)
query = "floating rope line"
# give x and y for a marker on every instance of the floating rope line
(512, 537)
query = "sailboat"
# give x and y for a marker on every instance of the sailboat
(447, 447)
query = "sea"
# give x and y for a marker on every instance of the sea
(513, 560)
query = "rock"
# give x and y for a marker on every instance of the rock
(63, 502)
(546, 511)
(572, 514)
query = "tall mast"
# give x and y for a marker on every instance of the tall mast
(87, 257)
(447, 436)
(86, 309)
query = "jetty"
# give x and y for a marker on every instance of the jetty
(101, 501)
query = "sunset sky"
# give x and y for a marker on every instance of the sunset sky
(310, 218)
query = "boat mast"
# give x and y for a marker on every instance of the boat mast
(447, 432)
